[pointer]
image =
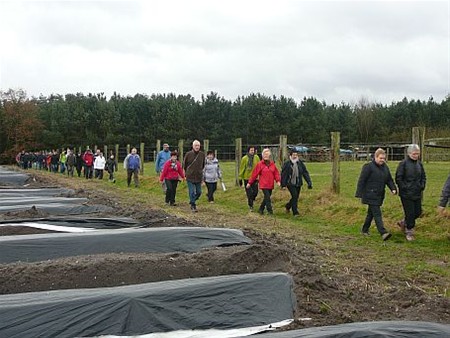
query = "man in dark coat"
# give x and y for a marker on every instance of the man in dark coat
(445, 197)
(193, 164)
(371, 189)
(292, 175)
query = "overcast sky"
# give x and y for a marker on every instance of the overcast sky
(332, 50)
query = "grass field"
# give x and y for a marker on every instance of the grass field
(329, 222)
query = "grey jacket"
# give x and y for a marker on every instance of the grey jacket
(211, 171)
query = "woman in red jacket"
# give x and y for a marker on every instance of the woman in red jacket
(170, 174)
(267, 172)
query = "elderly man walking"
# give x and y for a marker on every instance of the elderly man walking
(193, 164)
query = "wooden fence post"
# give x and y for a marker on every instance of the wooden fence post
(128, 149)
(283, 149)
(335, 152)
(418, 137)
(142, 157)
(238, 157)
(105, 152)
(180, 151)
(205, 145)
(117, 155)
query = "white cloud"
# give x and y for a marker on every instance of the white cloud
(332, 50)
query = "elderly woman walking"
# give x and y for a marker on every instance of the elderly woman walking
(267, 172)
(411, 180)
(371, 189)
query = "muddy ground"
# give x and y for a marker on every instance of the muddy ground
(324, 296)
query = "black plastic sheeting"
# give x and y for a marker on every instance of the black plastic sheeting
(6, 202)
(41, 247)
(385, 329)
(10, 177)
(223, 302)
(12, 192)
(57, 208)
(85, 222)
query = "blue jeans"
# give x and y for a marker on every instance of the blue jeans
(195, 191)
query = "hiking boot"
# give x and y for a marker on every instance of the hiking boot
(261, 212)
(401, 224)
(270, 212)
(410, 235)
(386, 236)
(288, 210)
(250, 208)
(194, 208)
(365, 233)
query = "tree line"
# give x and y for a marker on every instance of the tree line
(55, 121)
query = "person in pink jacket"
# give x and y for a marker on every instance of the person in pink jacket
(267, 172)
(171, 173)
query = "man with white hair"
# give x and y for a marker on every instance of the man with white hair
(411, 180)
(193, 164)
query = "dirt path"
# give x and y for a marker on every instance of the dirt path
(324, 294)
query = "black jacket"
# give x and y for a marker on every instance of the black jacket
(372, 182)
(286, 174)
(411, 179)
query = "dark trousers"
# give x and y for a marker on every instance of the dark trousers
(99, 174)
(266, 202)
(171, 190)
(87, 171)
(70, 170)
(251, 192)
(79, 170)
(412, 210)
(374, 212)
(293, 202)
(111, 175)
(211, 187)
(135, 174)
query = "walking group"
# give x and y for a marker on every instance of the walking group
(256, 174)
(410, 182)
(68, 162)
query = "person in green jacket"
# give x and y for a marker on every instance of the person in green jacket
(62, 161)
(248, 162)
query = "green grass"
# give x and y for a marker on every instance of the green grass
(329, 222)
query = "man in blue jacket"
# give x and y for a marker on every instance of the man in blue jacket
(132, 164)
(163, 157)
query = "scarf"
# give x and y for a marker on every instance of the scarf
(294, 177)
(250, 161)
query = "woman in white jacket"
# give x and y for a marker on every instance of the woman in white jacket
(99, 166)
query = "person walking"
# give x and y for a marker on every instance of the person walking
(193, 165)
(79, 163)
(88, 159)
(374, 177)
(111, 167)
(211, 174)
(162, 157)
(445, 197)
(248, 163)
(132, 164)
(71, 161)
(171, 173)
(411, 180)
(99, 166)
(62, 161)
(267, 172)
(292, 175)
